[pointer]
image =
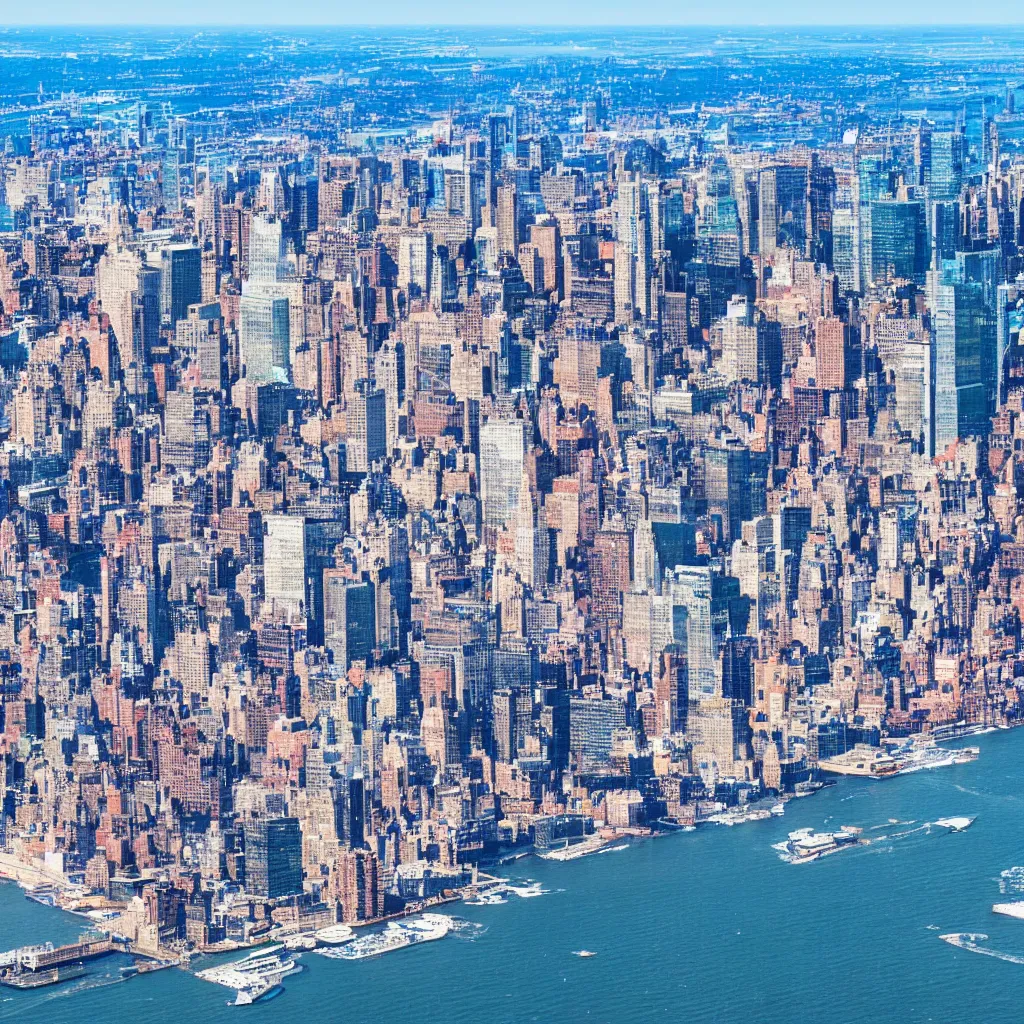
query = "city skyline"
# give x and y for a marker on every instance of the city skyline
(794, 14)
(431, 458)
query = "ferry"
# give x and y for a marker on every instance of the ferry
(1015, 909)
(929, 755)
(806, 845)
(13, 957)
(959, 824)
(572, 851)
(426, 928)
(39, 979)
(862, 760)
(255, 977)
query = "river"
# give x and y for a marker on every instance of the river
(704, 927)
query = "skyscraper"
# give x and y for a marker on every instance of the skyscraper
(273, 857)
(349, 618)
(284, 573)
(632, 250)
(367, 427)
(180, 281)
(502, 459)
(899, 241)
(264, 340)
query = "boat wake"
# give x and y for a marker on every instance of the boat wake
(968, 790)
(468, 931)
(972, 941)
(883, 844)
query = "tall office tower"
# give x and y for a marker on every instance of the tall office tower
(742, 341)
(610, 573)
(502, 133)
(350, 618)
(821, 192)
(728, 487)
(872, 183)
(831, 338)
(503, 725)
(302, 198)
(506, 220)
(263, 336)
(270, 194)
(367, 427)
(914, 389)
(767, 212)
(984, 267)
(965, 352)
(698, 627)
(945, 232)
(1008, 324)
(266, 250)
(944, 168)
(284, 564)
(671, 690)
(180, 281)
(273, 857)
(474, 191)
(792, 524)
(414, 259)
(845, 250)
(738, 653)
(899, 241)
(130, 294)
(547, 238)
(632, 250)
(170, 181)
(502, 459)
(389, 373)
(209, 212)
(186, 431)
(200, 334)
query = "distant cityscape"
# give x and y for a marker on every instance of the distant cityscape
(422, 448)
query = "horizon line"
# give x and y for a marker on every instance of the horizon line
(547, 26)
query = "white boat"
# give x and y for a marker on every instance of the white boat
(426, 928)
(253, 976)
(487, 899)
(584, 953)
(807, 845)
(959, 824)
(1015, 909)
(256, 991)
(528, 891)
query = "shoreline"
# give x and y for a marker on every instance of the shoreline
(28, 876)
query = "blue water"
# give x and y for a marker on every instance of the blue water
(708, 926)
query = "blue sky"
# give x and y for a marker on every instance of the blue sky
(582, 13)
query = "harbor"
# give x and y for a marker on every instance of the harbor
(510, 913)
